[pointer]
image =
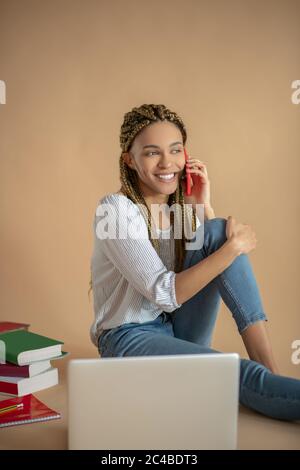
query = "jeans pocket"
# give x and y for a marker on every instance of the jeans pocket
(104, 352)
(102, 343)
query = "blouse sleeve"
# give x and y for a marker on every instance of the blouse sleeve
(133, 255)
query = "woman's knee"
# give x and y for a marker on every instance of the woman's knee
(216, 225)
(214, 238)
(215, 231)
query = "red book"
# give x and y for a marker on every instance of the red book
(12, 326)
(13, 370)
(33, 410)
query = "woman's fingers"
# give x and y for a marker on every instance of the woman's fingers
(196, 163)
(201, 173)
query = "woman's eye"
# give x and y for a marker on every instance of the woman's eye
(176, 150)
(150, 153)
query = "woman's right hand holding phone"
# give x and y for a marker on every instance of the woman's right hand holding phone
(241, 236)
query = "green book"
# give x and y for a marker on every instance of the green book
(23, 347)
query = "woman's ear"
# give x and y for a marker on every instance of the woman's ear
(129, 160)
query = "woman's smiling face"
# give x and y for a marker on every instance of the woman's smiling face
(157, 150)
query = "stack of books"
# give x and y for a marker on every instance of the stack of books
(25, 360)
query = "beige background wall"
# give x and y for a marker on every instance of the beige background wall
(72, 70)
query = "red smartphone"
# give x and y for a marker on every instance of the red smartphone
(188, 177)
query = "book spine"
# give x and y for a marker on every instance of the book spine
(13, 371)
(11, 358)
(6, 387)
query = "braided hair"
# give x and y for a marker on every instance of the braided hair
(134, 121)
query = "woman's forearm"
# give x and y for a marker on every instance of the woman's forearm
(192, 280)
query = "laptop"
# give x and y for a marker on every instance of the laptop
(165, 402)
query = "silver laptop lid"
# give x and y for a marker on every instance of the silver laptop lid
(166, 402)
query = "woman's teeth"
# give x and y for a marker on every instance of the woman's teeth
(168, 178)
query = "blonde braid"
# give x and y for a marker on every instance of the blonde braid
(134, 121)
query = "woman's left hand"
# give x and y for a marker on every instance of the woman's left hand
(200, 184)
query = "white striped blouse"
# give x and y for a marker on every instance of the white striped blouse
(131, 282)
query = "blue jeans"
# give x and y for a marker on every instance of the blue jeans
(188, 330)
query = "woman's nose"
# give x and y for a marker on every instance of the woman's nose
(164, 162)
(162, 165)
